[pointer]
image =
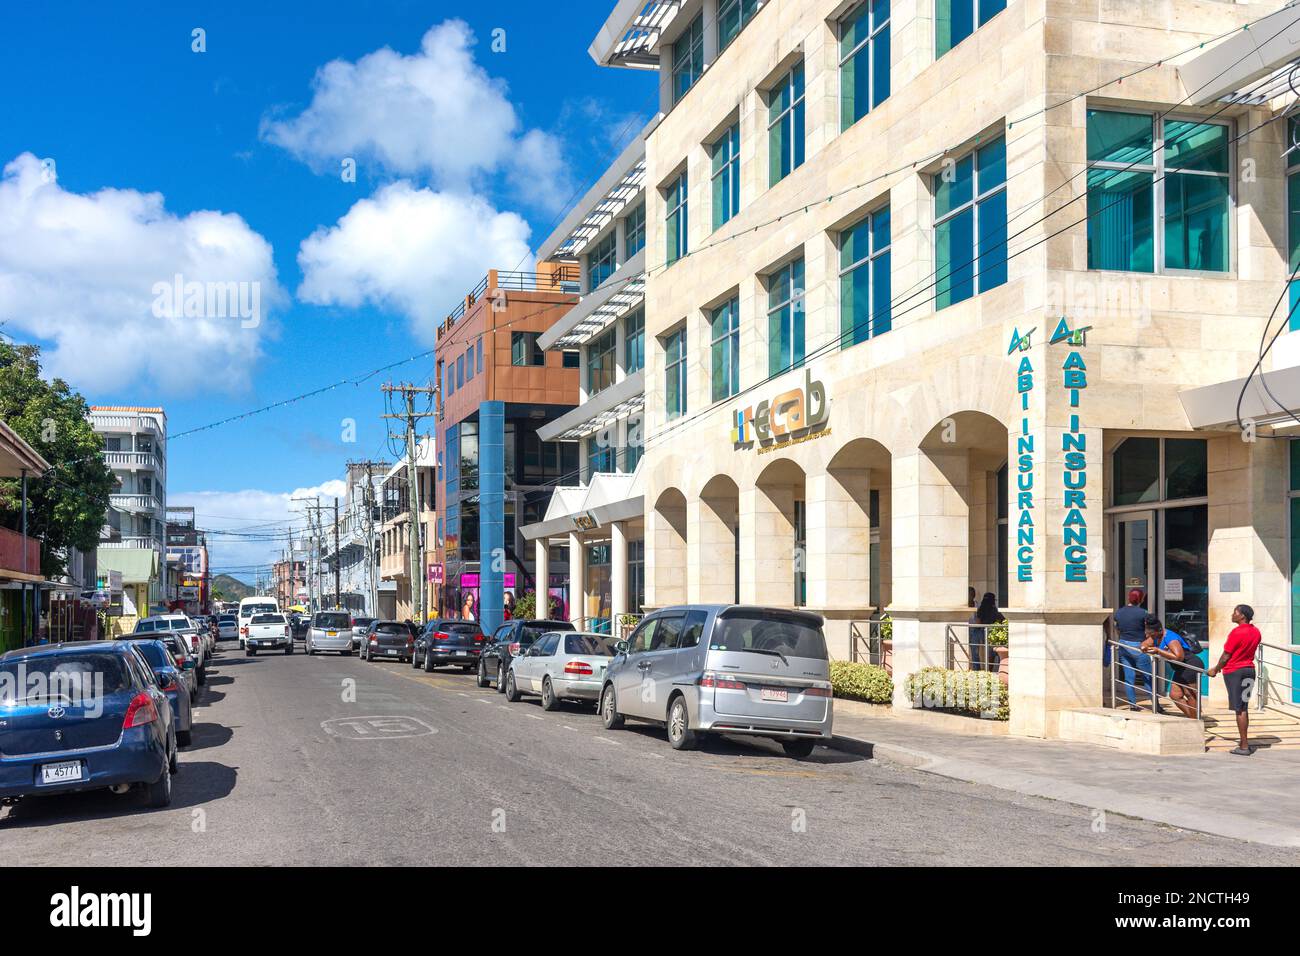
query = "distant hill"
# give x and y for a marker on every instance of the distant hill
(232, 588)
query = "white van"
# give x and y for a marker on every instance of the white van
(254, 605)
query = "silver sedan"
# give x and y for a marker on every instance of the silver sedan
(561, 665)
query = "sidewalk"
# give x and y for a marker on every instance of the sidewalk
(1243, 798)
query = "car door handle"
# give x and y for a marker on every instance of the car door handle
(643, 665)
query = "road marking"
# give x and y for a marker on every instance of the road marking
(606, 740)
(378, 727)
(534, 717)
(482, 700)
(567, 727)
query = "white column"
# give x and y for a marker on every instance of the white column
(542, 575)
(617, 574)
(577, 580)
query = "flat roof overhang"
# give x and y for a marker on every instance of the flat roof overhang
(604, 408)
(1242, 58)
(1215, 406)
(630, 35)
(603, 515)
(620, 293)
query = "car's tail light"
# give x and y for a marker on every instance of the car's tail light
(441, 636)
(286, 631)
(514, 648)
(410, 640)
(817, 691)
(374, 639)
(479, 639)
(578, 667)
(140, 712)
(721, 682)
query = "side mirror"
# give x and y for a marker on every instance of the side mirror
(189, 664)
(621, 647)
(166, 681)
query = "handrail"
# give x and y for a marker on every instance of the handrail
(1154, 692)
(870, 643)
(1263, 668)
(985, 663)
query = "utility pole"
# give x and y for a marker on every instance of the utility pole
(368, 502)
(338, 563)
(315, 594)
(416, 543)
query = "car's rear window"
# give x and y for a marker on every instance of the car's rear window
(333, 620)
(529, 633)
(174, 645)
(250, 609)
(155, 654)
(769, 633)
(466, 627)
(227, 619)
(588, 644)
(145, 627)
(392, 629)
(268, 619)
(76, 677)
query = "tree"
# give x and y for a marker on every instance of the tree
(66, 507)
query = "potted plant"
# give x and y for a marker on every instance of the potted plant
(997, 639)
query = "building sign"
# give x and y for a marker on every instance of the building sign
(1024, 509)
(586, 521)
(792, 416)
(436, 574)
(470, 579)
(1074, 444)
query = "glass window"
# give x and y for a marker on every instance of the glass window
(634, 341)
(1185, 468)
(726, 176)
(1136, 471)
(601, 261)
(970, 199)
(688, 58)
(469, 455)
(864, 279)
(725, 349)
(1293, 218)
(732, 17)
(675, 373)
(600, 362)
(678, 244)
(460, 371)
(478, 356)
(524, 349)
(955, 20)
(785, 318)
(634, 231)
(601, 458)
(469, 364)
(864, 60)
(785, 127)
(570, 359)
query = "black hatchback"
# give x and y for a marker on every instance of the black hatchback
(386, 640)
(447, 641)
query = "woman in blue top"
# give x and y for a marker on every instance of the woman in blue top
(1170, 646)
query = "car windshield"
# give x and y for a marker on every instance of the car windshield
(269, 619)
(61, 677)
(592, 644)
(769, 632)
(335, 621)
(226, 619)
(362, 621)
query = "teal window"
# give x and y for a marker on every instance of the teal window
(1159, 191)
(634, 341)
(732, 17)
(724, 350)
(785, 318)
(600, 362)
(524, 349)
(785, 126)
(688, 58)
(955, 20)
(570, 359)
(864, 60)
(1293, 503)
(677, 222)
(675, 374)
(634, 231)
(970, 198)
(726, 175)
(864, 279)
(1293, 221)
(602, 261)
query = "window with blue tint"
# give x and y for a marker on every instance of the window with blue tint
(785, 126)
(460, 371)
(955, 20)
(602, 260)
(726, 175)
(469, 363)
(451, 471)
(478, 356)
(970, 233)
(785, 318)
(864, 279)
(1293, 224)
(676, 220)
(732, 17)
(570, 359)
(675, 374)
(864, 60)
(688, 58)
(600, 362)
(634, 341)
(634, 231)
(724, 349)
(1197, 195)
(600, 458)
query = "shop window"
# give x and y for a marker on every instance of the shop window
(785, 126)
(724, 363)
(955, 20)
(970, 233)
(785, 318)
(864, 60)
(1146, 470)
(864, 279)
(725, 155)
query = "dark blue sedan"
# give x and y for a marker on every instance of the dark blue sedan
(171, 680)
(82, 716)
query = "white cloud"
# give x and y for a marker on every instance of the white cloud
(87, 272)
(435, 114)
(259, 521)
(413, 251)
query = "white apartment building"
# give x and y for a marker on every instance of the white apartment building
(394, 535)
(352, 546)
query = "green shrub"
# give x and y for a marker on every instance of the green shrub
(964, 692)
(886, 628)
(526, 606)
(857, 681)
(996, 635)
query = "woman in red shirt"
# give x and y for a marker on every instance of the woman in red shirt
(1237, 662)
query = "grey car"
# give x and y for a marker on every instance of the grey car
(561, 665)
(724, 669)
(330, 631)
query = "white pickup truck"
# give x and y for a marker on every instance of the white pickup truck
(268, 632)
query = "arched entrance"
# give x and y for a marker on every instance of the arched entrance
(773, 521)
(666, 561)
(715, 543)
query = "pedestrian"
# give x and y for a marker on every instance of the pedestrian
(1130, 627)
(1175, 649)
(987, 613)
(1237, 662)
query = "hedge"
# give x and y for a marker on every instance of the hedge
(965, 692)
(857, 681)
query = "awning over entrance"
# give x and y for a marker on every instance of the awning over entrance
(137, 565)
(609, 498)
(1265, 402)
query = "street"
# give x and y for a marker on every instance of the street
(283, 771)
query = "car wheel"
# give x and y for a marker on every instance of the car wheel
(415, 660)
(680, 734)
(311, 651)
(609, 715)
(289, 649)
(347, 653)
(799, 749)
(203, 675)
(184, 737)
(501, 678)
(160, 791)
(248, 653)
(481, 678)
(512, 692)
(549, 700)
(174, 765)
(428, 663)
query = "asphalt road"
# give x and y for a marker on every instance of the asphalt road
(288, 768)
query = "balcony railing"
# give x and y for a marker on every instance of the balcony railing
(17, 554)
(132, 459)
(146, 504)
(130, 541)
(565, 277)
(126, 422)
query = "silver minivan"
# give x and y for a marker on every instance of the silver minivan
(727, 669)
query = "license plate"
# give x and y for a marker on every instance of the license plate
(61, 772)
(393, 653)
(774, 693)
(331, 633)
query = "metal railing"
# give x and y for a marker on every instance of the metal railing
(972, 651)
(864, 642)
(593, 625)
(1155, 675)
(1264, 681)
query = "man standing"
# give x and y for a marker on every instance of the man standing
(1238, 665)
(1130, 631)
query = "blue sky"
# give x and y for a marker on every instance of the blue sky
(130, 158)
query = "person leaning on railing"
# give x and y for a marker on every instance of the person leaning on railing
(1238, 665)
(1172, 647)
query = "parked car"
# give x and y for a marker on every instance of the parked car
(172, 683)
(731, 669)
(506, 643)
(227, 627)
(182, 626)
(180, 651)
(299, 624)
(330, 631)
(386, 640)
(360, 625)
(82, 716)
(561, 665)
(445, 641)
(254, 605)
(267, 632)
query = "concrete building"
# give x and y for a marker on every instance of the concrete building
(289, 582)
(20, 554)
(350, 552)
(187, 562)
(394, 536)
(134, 538)
(932, 302)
